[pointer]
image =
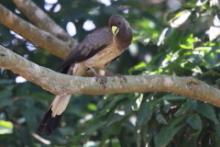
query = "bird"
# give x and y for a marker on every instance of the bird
(97, 50)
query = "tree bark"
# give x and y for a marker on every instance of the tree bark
(59, 83)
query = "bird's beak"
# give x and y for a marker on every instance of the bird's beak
(115, 30)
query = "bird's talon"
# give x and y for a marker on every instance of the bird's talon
(102, 81)
(122, 78)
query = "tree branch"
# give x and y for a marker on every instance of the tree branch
(42, 20)
(37, 36)
(59, 83)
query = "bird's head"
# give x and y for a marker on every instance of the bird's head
(121, 29)
(117, 24)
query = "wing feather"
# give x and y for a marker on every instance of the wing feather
(93, 43)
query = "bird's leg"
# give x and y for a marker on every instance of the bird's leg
(99, 75)
(92, 71)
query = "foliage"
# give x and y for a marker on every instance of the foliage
(168, 39)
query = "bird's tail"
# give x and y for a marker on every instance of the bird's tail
(52, 118)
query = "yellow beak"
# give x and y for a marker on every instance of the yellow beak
(115, 30)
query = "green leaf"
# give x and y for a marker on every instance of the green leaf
(91, 128)
(110, 104)
(137, 67)
(114, 119)
(166, 134)
(171, 97)
(185, 107)
(180, 18)
(5, 97)
(194, 121)
(161, 119)
(92, 107)
(217, 134)
(145, 113)
(207, 111)
(5, 82)
(6, 127)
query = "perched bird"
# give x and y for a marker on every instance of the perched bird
(94, 52)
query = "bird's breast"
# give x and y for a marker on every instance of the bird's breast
(104, 56)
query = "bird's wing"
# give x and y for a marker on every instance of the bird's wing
(92, 44)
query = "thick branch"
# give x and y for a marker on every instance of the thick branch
(58, 83)
(41, 19)
(37, 36)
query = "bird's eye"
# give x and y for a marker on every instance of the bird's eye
(119, 23)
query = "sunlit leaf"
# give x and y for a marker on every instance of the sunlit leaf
(214, 3)
(140, 66)
(6, 127)
(213, 32)
(163, 36)
(180, 18)
(92, 107)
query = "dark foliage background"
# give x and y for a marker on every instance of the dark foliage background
(173, 37)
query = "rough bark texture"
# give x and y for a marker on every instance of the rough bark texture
(59, 83)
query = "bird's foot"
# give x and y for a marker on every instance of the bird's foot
(121, 78)
(102, 80)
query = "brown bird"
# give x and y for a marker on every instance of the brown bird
(97, 50)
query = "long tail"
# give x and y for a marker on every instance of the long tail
(52, 118)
